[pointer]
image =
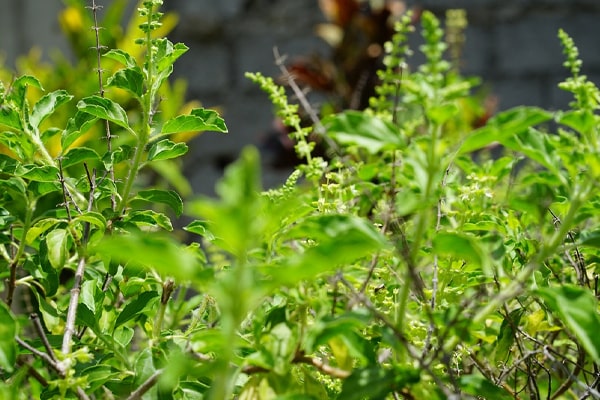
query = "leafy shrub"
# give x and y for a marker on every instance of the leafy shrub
(410, 263)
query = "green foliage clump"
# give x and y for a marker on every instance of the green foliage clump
(412, 263)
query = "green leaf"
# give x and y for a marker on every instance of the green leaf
(86, 317)
(152, 250)
(122, 57)
(503, 126)
(461, 246)
(57, 241)
(92, 217)
(166, 149)
(481, 387)
(364, 130)
(442, 113)
(375, 383)
(167, 53)
(47, 105)
(143, 302)
(43, 173)
(104, 108)
(19, 89)
(578, 310)
(340, 239)
(169, 197)
(581, 121)
(130, 79)
(76, 127)
(79, 155)
(8, 345)
(149, 218)
(199, 120)
(10, 118)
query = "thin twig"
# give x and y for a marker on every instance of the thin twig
(38, 353)
(42, 335)
(147, 385)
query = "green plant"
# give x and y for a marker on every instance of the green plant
(410, 263)
(58, 210)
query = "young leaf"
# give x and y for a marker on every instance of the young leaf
(364, 130)
(8, 346)
(104, 108)
(149, 218)
(503, 126)
(578, 309)
(122, 57)
(10, 118)
(168, 197)
(47, 105)
(130, 79)
(77, 126)
(166, 149)
(200, 119)
(145, 301)
(57, 242)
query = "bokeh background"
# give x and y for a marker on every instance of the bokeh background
(511, 44)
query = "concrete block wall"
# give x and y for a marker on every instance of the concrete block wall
(511, 44)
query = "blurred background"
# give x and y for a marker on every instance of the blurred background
(331, 46)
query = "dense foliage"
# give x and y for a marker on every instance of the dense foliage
(421, 259)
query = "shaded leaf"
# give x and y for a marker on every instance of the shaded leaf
(8, 345)
(79, 155)
(578, 310)
(144, 301)
(77, 126)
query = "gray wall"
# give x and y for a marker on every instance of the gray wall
(512, 44)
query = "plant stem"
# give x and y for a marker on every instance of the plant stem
(20, 250)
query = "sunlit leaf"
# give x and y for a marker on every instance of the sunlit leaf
(503, 126)
(169, 197)
(461, 246)
(199, 119)
(76, 127)
(166, 149)
(57, 242)
(364, 130)
(104, 108)
(47, 105)
(130, 79)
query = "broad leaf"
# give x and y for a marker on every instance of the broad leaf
(130, 79)
(200, 119)
(363, 130)
(152, 250)
(503, 126)
(149, 218)
(8, 345)
(57, 242)
(47, 105)
(43, 173)
(104, 108)
(10, 118)
(145, 301)
(461, 246)
(166, 149)
(121, 56)
(76, 127)
(79, 155)
(578, 310)
(167, 197)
